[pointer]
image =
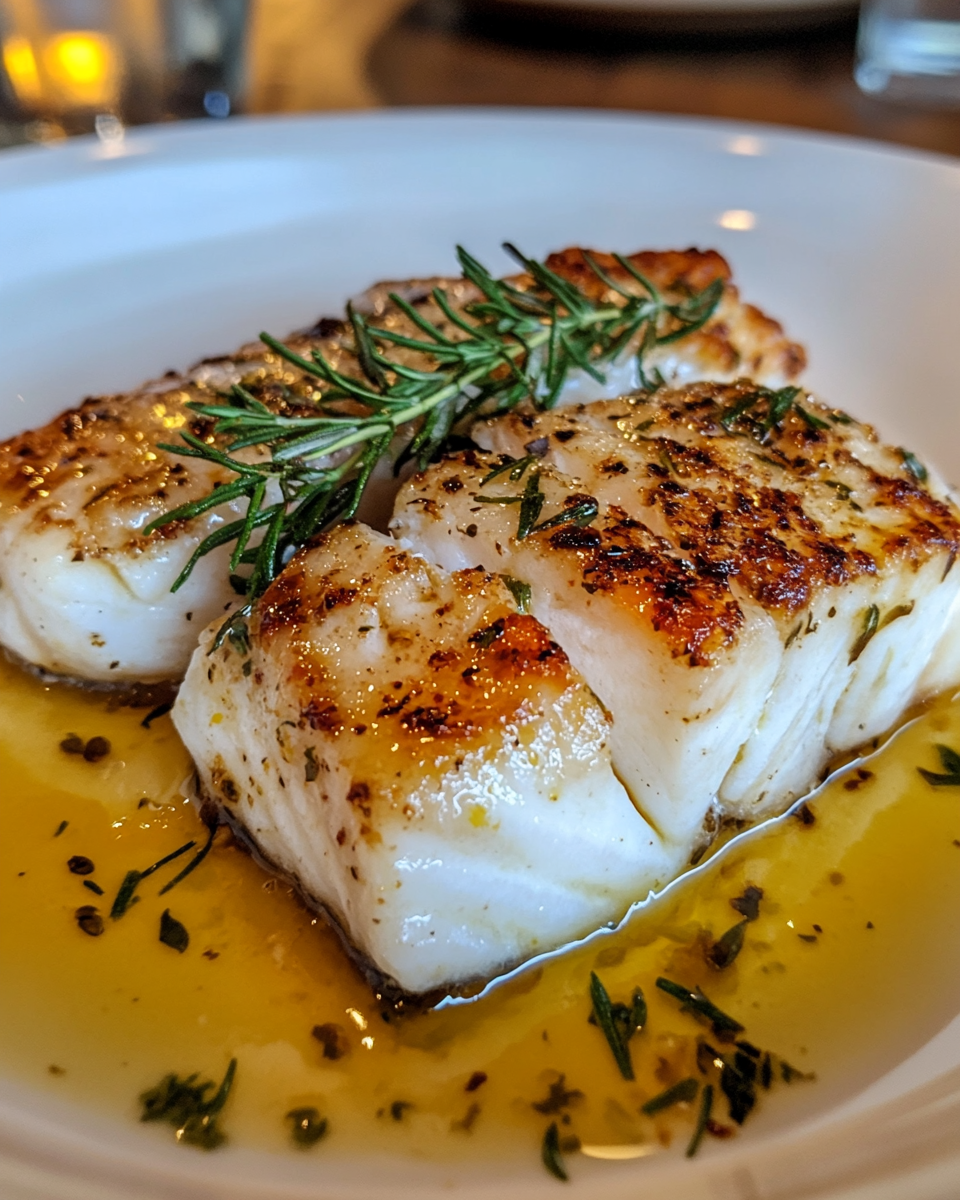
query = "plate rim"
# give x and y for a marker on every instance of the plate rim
(167, 138)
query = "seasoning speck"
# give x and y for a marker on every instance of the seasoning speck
(73, 743)
(333, 1038)
(89, 920)
(477, 1079)
(79, 864)
(95, 749)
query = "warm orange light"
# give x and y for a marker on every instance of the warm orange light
(83, 66)
(20, 63)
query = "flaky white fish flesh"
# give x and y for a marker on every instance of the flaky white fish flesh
(756, 593)
(422, 760)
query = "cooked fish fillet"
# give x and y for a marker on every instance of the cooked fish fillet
(83, 593)
(422, 760)
(758, 591)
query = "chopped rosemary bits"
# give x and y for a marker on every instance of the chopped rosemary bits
(550, 1153)
(681, 1092)
(703, 1118)
(738, 1084)
(871, 623)
(913, 465)
(160, 711)
(60, 828)
(617, 1026)
(724, 1027)
(94, 887)
(191, 865)
(311, 767)
(520, 591)
(172, 933)
(950, 761)
(512, 346)
(181, 1103)
(307, 1126)
(726, 948)
(125, 896)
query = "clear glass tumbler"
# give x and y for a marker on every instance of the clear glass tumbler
(909, 51)
(77, 64)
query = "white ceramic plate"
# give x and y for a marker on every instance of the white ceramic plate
(118, 261)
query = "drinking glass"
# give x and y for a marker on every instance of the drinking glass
(909, 50)
(80, 64)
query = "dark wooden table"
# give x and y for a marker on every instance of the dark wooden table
(322, 54)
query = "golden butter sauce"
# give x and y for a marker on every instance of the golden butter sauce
(851, 964)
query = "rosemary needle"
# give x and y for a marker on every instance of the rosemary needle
(509, 346)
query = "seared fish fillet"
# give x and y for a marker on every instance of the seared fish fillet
(421, 760)
(84, 594)
(763, 585)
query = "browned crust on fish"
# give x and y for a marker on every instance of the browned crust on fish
(737, 500)
(98, 469)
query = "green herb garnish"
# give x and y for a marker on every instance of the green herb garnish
(191, 865)
(871, 623)
(125, 896)
(172, 933)
(913, 465)
(703, 1119)
(550, 1153)
(311, 767)
(726, 948)
(679, 1093)
(950, 761)
(614, 1023)
(510, 346)
(308, 1127)
(181, 1103)
(520, 591)
(60, 828)
(724, 1027)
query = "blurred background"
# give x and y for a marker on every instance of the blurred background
(79, 66)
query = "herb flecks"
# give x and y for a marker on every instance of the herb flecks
(871, 623)
(126, 896)
(558, 1097)
(182, 1103)
(724, 1027)
(726, 948)
(679, 1093)
(703, 1120)
(950, 776)
(913, 465)
(173, 933)
(747, 904)
(509, 346)
(618, 1022)
(550, 1153)
(521, 592)
(156, 713)
(191, 865)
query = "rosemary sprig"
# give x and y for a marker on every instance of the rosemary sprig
(510, 346)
